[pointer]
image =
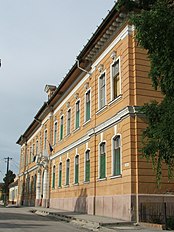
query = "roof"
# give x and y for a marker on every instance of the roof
(93, 48)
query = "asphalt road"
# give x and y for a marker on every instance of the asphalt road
(21, 220)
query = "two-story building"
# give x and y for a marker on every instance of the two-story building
(82, 150)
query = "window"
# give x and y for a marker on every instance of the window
(68, 121)
(45, 139)
(37, 147)
(88, 105)
(35, 178)
(102, 100)
(30, 158)
(61, 128)
(60, 175)
(67, 171)
(102, 161)
(87, 165)
(77, 124)
(116, 156)
(115, 80)
(53, 177)
(55, 132)
(33, 154)
(76, 179)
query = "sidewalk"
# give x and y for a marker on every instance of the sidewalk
(91, 222)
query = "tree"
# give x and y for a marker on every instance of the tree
(154, 22)
(8, 179)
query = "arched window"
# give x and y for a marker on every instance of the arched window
(102, 160)
(60, 175)
(87, 165)
(76, 170)
(67, 171)
(53, 177)
(116, 156)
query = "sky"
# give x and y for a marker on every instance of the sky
(39, 42)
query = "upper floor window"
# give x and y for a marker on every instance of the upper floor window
(37, 147)
(61, 128)
(88, 105)
(55, 132)
(68, 121)
(102, 160)
(31, 155)
(76, 178)
(87, 165)
(116, 156)
(45, 139)
(116, 85)
(102, 91)
(77, 123)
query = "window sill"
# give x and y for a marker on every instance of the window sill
(115, 100)
(76, 184)
(60, 187)
(68, 135)
(102, 179)
(66, 186)
(86, 182)
(77, 129)
(84, 124)
(101, 109)
(115, 177)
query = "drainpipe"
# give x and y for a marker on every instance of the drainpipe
(78, 66)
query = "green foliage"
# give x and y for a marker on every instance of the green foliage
(154, 23)
(158, 142)
(8, 179)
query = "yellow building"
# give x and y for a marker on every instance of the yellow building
(92, 124)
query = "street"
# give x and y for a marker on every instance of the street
(21, 220)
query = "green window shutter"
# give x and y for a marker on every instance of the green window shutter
(117, 168)
(61, 132)
(87, 174)
(76, 173)
(67, 176)
(102, 166)
(87, 111)
(60, 178)
(53, 181)
(77, 119)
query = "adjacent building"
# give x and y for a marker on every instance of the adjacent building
(81, 152)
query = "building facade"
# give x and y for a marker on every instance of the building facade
(81, 151)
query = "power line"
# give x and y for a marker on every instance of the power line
(7, 160)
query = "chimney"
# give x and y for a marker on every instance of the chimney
(50, 89)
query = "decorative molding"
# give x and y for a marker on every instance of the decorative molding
(127, 111)
(114, 55)
(76, 96)
(101, 68)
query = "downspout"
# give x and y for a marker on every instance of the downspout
(78, 66)
(95, 158)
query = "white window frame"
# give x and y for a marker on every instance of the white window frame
(60, 127)
(78, 100)
(99, 106)
(112, 153)
(88, 149)
(55, 139)
(66, 171)
(79, 167)
(88, 90)
(104, 141)
(111, 78)
(68, 133)
(45, 140)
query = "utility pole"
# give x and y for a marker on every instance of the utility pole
(7, 160)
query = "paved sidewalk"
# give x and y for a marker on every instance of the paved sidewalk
(92, 222)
